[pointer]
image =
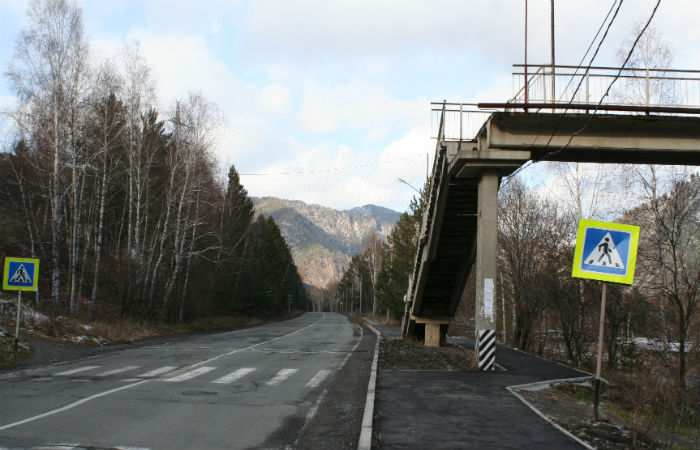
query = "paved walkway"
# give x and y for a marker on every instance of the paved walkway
(465, 410)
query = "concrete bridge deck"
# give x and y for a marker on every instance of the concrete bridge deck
(459, 229)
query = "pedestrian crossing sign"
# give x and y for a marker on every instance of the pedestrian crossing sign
(20, 274)
(605, 251)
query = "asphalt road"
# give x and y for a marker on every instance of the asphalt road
(294, 384)
(466, 410)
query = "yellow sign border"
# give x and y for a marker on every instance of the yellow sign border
(6, 274)
(583, 225)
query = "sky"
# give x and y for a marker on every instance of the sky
(328, 101)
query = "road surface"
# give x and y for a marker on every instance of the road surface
(293, 384)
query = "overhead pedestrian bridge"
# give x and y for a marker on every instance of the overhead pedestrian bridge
(459, 229)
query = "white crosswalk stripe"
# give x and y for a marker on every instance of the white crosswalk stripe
(318, 378)
(181, 375)
(159, 371)
(116, 371)
(281, 376)
(191, 374)
(78, 370)
(234, 376)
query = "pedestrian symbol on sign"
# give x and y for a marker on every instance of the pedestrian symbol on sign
(21, 276)
(605, 254)
(605, 251)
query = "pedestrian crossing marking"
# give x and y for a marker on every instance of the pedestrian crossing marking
(605, 251)
(281, 376)
(234, 376)
(78, 370)
(605, 254)
(185, 374)
(20, 276)
(191, 374)
(155, 372)
(116, 371)
(318, 378)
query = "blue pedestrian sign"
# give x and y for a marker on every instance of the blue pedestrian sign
(20, 274)
(606, 251)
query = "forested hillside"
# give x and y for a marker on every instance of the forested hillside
(120, 200)
(323, 240)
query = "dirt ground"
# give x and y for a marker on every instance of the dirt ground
(400, 354)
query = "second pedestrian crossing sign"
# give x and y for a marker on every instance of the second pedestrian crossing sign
(606, 251)
(20, 274)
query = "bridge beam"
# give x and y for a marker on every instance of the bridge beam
(486, 269)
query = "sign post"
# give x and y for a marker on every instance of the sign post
(607, 252)
(20, 274)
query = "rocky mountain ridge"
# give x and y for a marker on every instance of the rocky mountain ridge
(322, 239)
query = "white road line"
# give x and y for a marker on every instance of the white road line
(70, 406)
(111, 391)
(238, 350)
(365, 441)
(318, 378)
(362, 334)
(281, 376)
(78, 370)
(191, 374)
(116, 371)
(234, 376)
(155, 372)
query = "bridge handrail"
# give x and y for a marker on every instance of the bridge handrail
(639, 85)
(439, 168)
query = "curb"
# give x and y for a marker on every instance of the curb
(365, 442)
(541, 385)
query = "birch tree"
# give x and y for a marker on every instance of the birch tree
(46, 73)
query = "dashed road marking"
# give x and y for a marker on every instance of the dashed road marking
(281, 376)
(191, 374)
(318, 378)
(78, 370)
(234, 376)
(116, 371)
(156, 372)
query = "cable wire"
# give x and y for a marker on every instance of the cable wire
(607, 92)
(334, 169)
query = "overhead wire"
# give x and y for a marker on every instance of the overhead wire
(334, 169)
(573, 96)
(607, 92)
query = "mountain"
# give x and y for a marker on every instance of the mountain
(322, 239)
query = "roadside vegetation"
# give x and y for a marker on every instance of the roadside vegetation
(652, 328)
(120, 197)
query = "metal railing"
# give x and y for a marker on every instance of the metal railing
(573, 90)
(456, 121)
(634, 86)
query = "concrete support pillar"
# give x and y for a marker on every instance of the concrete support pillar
(433, 330)
(432, 335)
(486, 270)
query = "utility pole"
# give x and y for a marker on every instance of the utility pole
(360, 294)
(525, 86)
(554, 98)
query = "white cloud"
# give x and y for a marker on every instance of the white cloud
(326, 107)
(275, 97)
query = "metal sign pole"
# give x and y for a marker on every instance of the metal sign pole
(596, 395)
(19, 308)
